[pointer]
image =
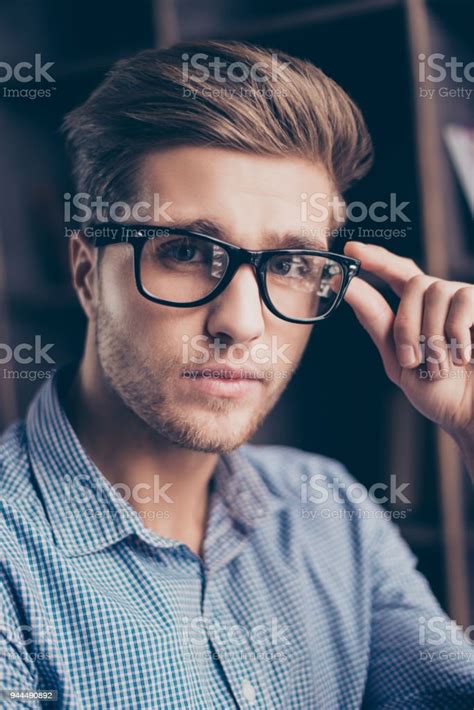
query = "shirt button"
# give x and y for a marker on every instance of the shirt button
(248, 691)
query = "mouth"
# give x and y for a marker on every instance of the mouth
(224, 382)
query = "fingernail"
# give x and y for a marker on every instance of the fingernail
(407, 355)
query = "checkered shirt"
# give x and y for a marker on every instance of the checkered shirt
(303, 597)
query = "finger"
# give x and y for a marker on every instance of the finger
(408, 321)
(460, 321)
(437, 299)
(395, 270)
(376, 316)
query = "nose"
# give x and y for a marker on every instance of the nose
(236, 314)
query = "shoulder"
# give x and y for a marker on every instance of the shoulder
(14, 464)
(326, 499)
(287, 470)
(21, 512)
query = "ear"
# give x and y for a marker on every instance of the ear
(83, 258)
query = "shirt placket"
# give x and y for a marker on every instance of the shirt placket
(228, 638)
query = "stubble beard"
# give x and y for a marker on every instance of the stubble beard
(147, 387)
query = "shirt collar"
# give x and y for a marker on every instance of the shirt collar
(240, 503)
(87, 514)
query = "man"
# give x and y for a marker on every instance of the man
(150, 557)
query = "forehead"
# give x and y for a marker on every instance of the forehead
(254, 199)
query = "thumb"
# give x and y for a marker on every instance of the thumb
(376, 316)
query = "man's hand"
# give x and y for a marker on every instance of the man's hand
(426, 347)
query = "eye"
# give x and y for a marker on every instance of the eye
(293, 266)
(181, 250)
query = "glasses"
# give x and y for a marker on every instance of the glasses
(182, 268)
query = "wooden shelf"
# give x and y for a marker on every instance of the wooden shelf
(297, 19)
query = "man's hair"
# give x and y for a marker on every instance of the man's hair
(229, 95)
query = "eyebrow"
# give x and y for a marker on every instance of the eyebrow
(272, 241)
(296, 241)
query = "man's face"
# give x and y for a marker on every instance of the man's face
(146, 349)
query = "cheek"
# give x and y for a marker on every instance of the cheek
(151, 326)
(288, 343)
(117, 282)
(120, 301)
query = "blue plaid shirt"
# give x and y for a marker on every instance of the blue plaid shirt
(296, 603)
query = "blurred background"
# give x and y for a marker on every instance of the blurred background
(340, 403)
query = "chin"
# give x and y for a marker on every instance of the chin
(210, 432)
(219, 432)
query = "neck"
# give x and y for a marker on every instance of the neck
(167, 485)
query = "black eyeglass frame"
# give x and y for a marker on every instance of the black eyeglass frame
(134, 234)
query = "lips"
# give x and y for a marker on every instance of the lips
(223, 382)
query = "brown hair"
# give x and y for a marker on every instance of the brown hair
(258, 101)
